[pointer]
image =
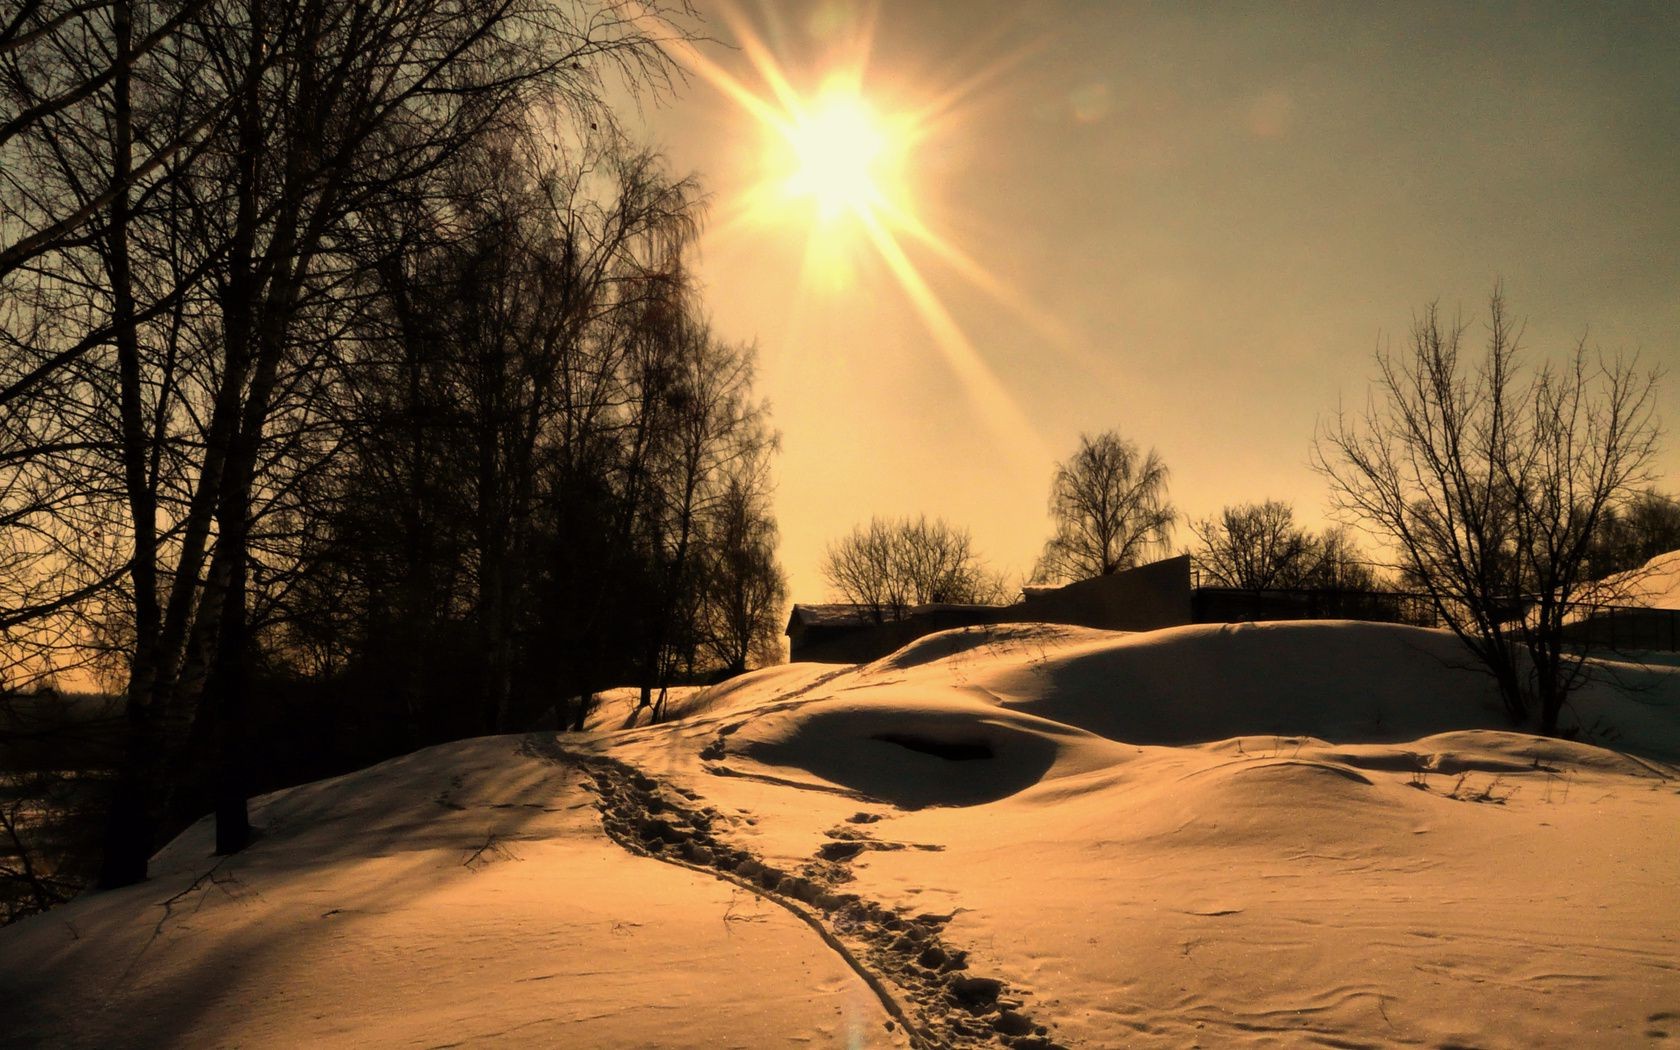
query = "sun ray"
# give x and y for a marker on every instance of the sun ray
(971, 270)
(833, 154)
(764, 112)
(1000, 411)
(763, 62)
(948, 101)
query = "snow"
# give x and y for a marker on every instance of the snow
(1261, 835)
(462, 894)
(1655, 585)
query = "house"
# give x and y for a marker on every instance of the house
(1141, 599)
(821, 628)
(839, 633)
(1636, 610)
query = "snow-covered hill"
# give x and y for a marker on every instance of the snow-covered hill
(1275, 835)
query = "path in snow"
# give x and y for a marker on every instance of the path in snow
(921, 980)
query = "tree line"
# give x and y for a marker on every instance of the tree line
(348, 357)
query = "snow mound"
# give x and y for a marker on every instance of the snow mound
(950, 750)
(992, 640)
(1019, 835)
(1346, 681)
(1296, 799)
(617, 709)
(1339, 681)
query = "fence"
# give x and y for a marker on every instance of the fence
(1623, 628)
(1612, 627)
(1233, 605)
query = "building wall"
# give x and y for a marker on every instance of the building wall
(858, 645)
(1626, 630)
(1141, 599)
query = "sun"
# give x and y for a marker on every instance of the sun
(841, 162)
(839, 155)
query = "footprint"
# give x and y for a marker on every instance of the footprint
(937, 996)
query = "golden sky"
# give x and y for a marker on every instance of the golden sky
(963, 232)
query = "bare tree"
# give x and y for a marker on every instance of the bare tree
(1337, 563)
(714, 425)
(744, 587)
(1631, 535)
(195, 182)
(1108, 504)
(1258, 546)
(1492, 480)
(891, 566)
(559, 429)
(1253, 546)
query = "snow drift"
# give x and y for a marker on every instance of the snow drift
(1019, 835)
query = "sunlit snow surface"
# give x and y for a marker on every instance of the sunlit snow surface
(1654, 585)
(1278, 835)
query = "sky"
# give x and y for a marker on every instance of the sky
(1192, 223)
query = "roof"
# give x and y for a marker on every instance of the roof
(833, 615)
(846, 615)
(954, 607)
(1655, 585)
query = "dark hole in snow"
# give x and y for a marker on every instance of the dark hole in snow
(951, 751)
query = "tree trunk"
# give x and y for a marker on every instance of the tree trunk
(586, 701)
(227, 700)
(130, 819)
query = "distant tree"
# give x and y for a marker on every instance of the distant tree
(890, 566)
(743, 585)
(1109, 505)
(1258, 546)
(1630, 536)
(1492, 482)
(1252, 546)
(1339, 565)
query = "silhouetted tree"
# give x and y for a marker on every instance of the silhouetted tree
(539, 398)
(714, 425)
(1492, 486)
(1258, 546)
(891, 566)
(744, 587)
(1253, 546)
(1339, 565)
(186, 192)
(1108, 504)
(1632, 534)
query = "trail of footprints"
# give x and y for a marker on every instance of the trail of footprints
(938, 1001)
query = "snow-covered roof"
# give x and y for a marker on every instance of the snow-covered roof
(840, 614)
(933, 608)
(1655, 585)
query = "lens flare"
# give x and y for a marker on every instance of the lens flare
(840, 162)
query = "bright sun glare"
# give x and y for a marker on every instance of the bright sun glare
(844, 168)
(838, 151)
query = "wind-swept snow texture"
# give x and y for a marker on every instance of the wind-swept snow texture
(1305, 834)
